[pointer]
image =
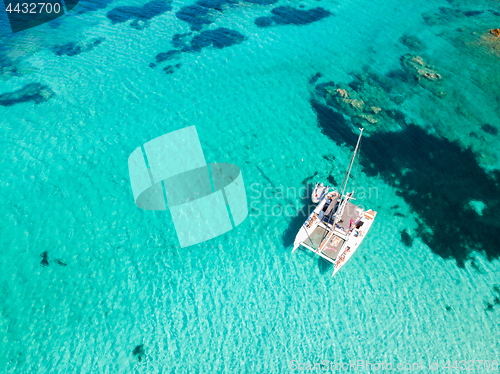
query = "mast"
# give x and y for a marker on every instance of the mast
(346, 177)
(343, 187)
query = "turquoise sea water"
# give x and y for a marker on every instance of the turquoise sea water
(90, 283)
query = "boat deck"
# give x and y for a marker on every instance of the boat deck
(329, 243)
(333, 247)
(351, 211)
(317, 237)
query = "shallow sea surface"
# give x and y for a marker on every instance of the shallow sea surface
(89, 283)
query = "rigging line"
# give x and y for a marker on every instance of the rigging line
(357, 167)
(343, 202)
(351, 162)
(325, 234)
(343, 181)
(312, 243)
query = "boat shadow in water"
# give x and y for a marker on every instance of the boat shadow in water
(305, 208)
(324, 266)
(442, 183)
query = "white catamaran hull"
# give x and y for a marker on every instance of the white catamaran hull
(351, 240)
(351, 245)
(336, 227)
(309, 225)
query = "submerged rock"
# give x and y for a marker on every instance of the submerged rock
(170, 69)
(31, 92)
(315, 78)
(73, 49)
(139, 352)
(372, 100)
(489, 129)
(495, 32)
(359, 101)
(490, 40)
(473, 13)
(163, 56)
(204, 12)
(351, 98)
(406, 238)
(219, 38)
(287, 15)
(418, 68)
(412, 42)
(45, 259)
(139, 15)
(8, 67)
(442, 16)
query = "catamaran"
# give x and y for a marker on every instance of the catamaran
(336, 227)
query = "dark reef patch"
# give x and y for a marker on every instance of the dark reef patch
(35, 92)
(473, 13)
(489, 129)
(369, 100)
(196, 15)
(315, 78)
(333, 124)
(8, 67)
(139, 15)
(406, 238)
(138, 352)
(73, 49)
(287, 15)
(496, 299)
(45, 259)
(476, 267)
(85, 6)
(178, 40)
(218, 38)
(412, 42)
(436, 178)
(202, 12)
(170, 69)
(421, 72)
(163, 56)
(442, 16)
(488, 307)
(445, 15)
(332, 180)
